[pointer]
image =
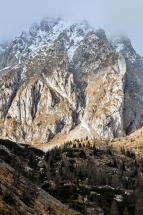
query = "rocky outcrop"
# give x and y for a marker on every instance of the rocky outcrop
(133, 99)
(45, 102)
(72, 80)
(102, 73)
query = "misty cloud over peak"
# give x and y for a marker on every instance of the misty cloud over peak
(115, 17)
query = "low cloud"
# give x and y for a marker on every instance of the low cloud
(116, 17)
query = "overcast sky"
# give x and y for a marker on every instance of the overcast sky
(116, 17)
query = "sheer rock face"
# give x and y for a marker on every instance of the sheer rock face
(72, 79)
(44, 103)
(102, 73)
(133, 99)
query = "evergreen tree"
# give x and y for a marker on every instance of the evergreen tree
(126, 212)
(114, 208)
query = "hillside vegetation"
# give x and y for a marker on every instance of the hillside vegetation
(19, 190)
(104, 179)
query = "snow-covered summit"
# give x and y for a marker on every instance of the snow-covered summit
(124, 46)
(40, 37)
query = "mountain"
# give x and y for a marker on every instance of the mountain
(61, 81)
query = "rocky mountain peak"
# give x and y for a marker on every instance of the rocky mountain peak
(124, 46)
(46, 24)
(61, 80)
(33, 29)
(40, 37)
(84, 25)
(101, 34)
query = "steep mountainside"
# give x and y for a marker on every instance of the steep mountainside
(133, 102)
(18, 195)
(99, 179)
(68, 80)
